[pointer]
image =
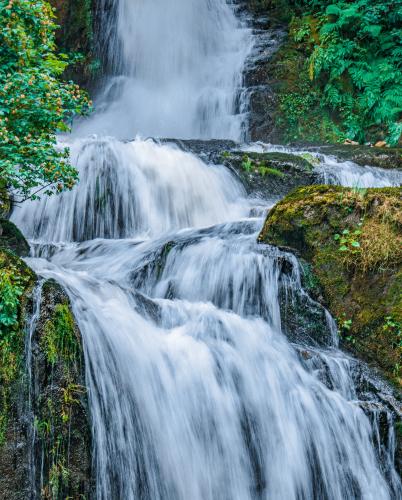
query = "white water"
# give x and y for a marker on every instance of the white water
(195, 392)
(176, 70)
(335, 171)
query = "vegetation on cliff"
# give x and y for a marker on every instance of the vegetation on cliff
(60, 404)
(351, 242)
(16, 283)
(56, 394)
(339, 74)
(75, 36)
(35, 102)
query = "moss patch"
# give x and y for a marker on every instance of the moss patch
(270, 173)
(60, 409)
(12, 239)
(352, 240)
(16, 283)
(299, 115)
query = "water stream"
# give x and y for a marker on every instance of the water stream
(194, 390)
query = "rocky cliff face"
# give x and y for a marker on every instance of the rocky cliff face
(45, 438)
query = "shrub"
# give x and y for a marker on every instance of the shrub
(35, 103)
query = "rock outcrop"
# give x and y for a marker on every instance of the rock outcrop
(45, 438)
(351, 244)
(270, 175)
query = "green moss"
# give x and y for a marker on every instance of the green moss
(16, 283)
(362, 284)
(59, 402)
(59, 340)
(299, 116)
(263, 170)
(11, 238)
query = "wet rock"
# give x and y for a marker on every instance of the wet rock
(11, 238)
(270, 174)
(303, 320)
(379, 400)
(363, 155)
(76, 20)
(45, 438)
(263, 101)
(62, 447)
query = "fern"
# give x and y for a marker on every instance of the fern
(356, 59)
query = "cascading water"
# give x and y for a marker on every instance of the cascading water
(335, 171)
(195, 392)
(176, 70)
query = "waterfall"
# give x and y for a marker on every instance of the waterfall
(175, 70)
(195, 392)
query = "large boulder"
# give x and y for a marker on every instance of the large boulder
(350, 244)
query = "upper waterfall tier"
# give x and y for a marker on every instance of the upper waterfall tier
(176, 74)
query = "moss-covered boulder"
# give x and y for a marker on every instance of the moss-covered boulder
(12, 239)
(63, 437)
(351, 244)
(45, 439)
(270, 174)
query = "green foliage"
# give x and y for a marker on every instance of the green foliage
(259, 167)
(301, 115)
(345, 326)
(59, 340)
(355, 59)
(10, 292)
(247, 164)
(34, 101)
(15, 279)
(348, 241)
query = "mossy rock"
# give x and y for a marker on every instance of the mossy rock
(62, 444)
(17, 281)
(11, 238)
(352, 242)
(270, 174)
(60, 399)
(388, 158)
(5, 202)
